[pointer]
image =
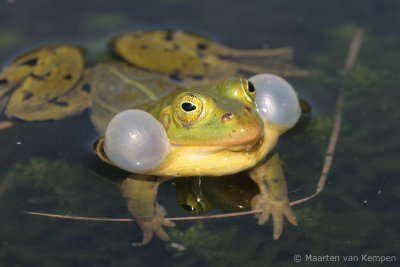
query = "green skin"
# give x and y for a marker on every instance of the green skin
(211, 127)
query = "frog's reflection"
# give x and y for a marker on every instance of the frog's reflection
(228, 193)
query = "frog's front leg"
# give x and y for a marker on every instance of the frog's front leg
(273, 198)
(141, 194)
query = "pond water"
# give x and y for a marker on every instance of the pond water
(51, 167)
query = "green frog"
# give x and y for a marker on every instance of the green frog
(180, 107)
(204, 131)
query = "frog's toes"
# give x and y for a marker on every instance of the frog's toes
(259, 203)
(160, 232)
(168, 223)
(278, 224)
(147, 235)
(277, 208)
(290, 215)
(155, 225)
(263, 217)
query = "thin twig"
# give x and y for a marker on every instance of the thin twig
(217, 216)
(354, 48)
(6, 124)
(70, 217)
(191, 218)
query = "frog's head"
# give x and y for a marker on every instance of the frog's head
(213, 130)
(224, 115)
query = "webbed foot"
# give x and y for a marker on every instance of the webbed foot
(155, 225)
(141, 192)
(277, 208)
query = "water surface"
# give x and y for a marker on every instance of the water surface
(51, 167)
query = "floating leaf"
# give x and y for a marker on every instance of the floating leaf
(117, 86)
(184, 54)
(44, 81)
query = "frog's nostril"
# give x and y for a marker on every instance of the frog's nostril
(248, 109)
(227, 117)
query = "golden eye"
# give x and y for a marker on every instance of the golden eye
(249, 89)
(188, 107)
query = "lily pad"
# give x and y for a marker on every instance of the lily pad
(42, 84)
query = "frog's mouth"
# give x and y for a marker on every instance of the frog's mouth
(246, 143)
(246, 146)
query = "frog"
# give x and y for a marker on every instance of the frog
(193, 110)
(209, 131)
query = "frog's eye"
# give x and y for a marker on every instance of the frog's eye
(249, 89)
(276, 100)
(189, 107)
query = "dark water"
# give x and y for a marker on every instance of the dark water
(50, 166)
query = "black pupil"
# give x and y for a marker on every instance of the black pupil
(188, 106)
(251, 87)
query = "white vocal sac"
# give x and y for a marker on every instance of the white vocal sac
(135, 141)
(276, 100)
